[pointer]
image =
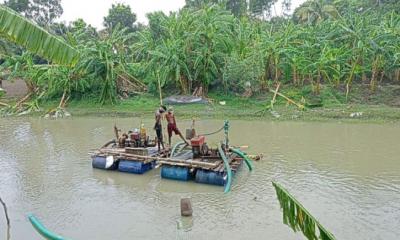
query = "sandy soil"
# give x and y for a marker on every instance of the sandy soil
(14, 89)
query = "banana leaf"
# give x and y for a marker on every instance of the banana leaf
(298, 218)
(35, 39)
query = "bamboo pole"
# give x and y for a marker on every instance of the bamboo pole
(160, 159)
(116, 132)
(159, 87)
(4, 104)
(274, 98)
(22, 100)
(192, 165)
(300, 106)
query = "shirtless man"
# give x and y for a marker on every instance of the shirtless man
(170, 117)
(158, 126)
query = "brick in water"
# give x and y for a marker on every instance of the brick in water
(186, 207)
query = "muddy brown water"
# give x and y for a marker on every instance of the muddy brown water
(346, 175)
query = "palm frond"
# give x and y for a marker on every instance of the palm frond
(24, 32)
(298, 218)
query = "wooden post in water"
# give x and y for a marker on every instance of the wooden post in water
(186, 207)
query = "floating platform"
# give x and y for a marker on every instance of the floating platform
(176, 173)
(208, 169)
(128, 160)
(195, 162)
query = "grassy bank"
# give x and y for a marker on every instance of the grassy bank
(382, 106)
(361, 106)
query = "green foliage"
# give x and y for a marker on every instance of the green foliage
(120, 15)
(239, 8)
(2, 92)
(298, 218)
(329, 48)
(315, 11)
(326, 45)
(37, 40)
(186, 49)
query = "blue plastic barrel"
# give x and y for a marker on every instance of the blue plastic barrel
(210, 177)
(175, 173)
(101, 163)
(135, 167)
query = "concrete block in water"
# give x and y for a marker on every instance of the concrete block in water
(186, 207)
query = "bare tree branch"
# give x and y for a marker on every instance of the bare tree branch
(7, 218)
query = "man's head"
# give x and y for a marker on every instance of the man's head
(162, 108)
(170, 109)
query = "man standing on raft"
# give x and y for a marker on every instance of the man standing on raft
(158, 126)
(172, 126)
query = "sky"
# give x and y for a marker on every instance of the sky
(93, 11)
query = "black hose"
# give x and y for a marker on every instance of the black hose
(212, 133)
(108, 143)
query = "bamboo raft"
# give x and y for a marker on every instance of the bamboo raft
(196, 161)
(131, 160)
(203, 165)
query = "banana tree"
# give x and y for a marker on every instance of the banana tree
(165, 56)
(315, 11)
(28, 34)
(211, 41)
(353, 33)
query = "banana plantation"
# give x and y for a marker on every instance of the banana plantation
(323, 43)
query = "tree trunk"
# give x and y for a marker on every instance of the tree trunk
(351, 76)
(184, 84)
(276, 69)
(382, 76)
(372, 84)
(397, 75)
(364, 78)
(318, 84)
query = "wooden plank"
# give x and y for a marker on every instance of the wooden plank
(134, 157)
(137, 151)
(183, 165)
(188, 163)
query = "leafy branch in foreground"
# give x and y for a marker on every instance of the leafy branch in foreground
(26, 33)
(298, 218)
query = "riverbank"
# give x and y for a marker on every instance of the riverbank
(361, 106)
(238, 108)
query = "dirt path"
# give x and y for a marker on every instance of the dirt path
(14, 89)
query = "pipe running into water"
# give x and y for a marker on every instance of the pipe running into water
(227, 168)
(244, 156)
(42, 230)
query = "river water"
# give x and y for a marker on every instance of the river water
(346, 175)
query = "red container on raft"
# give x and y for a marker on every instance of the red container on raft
(197, 141)
(135, 136)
